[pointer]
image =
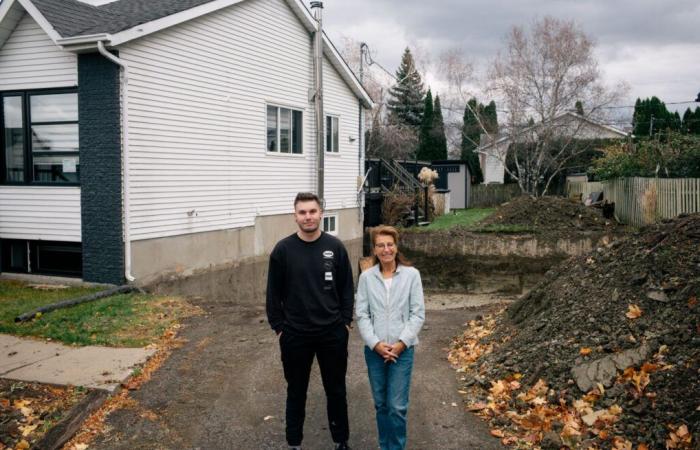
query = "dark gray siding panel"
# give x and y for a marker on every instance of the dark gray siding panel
(100, 169)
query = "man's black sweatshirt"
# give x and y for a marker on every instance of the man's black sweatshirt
(309, 285)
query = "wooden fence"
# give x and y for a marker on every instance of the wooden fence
(641, 201)
(488, 195)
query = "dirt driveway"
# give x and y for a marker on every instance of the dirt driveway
(225, 390)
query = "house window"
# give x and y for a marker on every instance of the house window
(41, 257)
(284, 130)
(330, 224)
(40, 137)
(332, 139)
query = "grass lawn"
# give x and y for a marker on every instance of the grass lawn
(459, 217)
(129, 320)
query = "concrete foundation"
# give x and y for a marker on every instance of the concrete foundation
(226, 265)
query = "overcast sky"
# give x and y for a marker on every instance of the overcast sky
(652, 45)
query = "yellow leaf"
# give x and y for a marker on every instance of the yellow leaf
(585, 351)
(28, 429)
(495, 432)
(633, 312)
(22, 445)
(642, 446)
(615, 410)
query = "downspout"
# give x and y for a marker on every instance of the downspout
(317, 7)
(125, 144)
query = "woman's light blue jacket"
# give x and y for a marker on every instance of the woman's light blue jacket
(399, 316)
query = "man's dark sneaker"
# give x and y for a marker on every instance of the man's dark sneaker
(342, 446)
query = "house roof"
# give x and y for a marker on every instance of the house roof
(75, 18)
(75, 25)
(507, 137)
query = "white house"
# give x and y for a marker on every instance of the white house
(179, 151)
(492, 152)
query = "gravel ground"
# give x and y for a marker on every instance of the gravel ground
(224, 389)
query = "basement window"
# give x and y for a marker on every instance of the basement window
(330, 224)
(284, 130)
(42, 257)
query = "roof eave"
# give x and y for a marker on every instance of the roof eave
(79, 44)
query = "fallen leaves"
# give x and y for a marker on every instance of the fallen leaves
(679, 437)
(585, 351)
(29, 410)
(466, 349)
(633, 312)
(94, 425)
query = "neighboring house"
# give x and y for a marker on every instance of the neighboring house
(186, 160)
(492, 153)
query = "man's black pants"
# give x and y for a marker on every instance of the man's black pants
(331, 351)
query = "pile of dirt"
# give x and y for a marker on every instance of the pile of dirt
(549, 214)
(610, 340)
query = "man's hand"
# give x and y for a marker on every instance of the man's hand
(385, 351)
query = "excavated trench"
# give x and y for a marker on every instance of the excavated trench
(490, 264)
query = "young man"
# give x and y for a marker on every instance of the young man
(309, 305)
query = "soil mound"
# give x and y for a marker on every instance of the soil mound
(619, 327)
(549, 213)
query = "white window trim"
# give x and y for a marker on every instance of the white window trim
(277, 152)
(328, 216)
(325, 141)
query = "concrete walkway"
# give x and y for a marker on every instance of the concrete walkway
(40, 361)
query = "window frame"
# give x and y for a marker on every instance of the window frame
(326, 227)
(335, 150)
(28, 153)
(278, 135)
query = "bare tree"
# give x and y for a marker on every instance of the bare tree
(539, 76)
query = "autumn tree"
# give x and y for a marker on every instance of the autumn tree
(541, 73)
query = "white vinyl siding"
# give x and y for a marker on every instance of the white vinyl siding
(198, 98)
(40, 213)
(342, 168)
(30, 60)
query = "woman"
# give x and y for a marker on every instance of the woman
(390, 313)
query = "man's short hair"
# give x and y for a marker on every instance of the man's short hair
(307, 197)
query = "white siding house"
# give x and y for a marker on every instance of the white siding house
(492, 154)
(197, 94)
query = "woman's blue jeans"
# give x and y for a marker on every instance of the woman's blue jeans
(390, 384)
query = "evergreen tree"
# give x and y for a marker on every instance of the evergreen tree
(579, 108)
(490, 117)
(406, 102)
(687, 116)
(694, 122)
(651, 117)
(424, 137)
(470, 141)
(438, 138)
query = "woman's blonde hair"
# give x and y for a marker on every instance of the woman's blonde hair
(386, 230)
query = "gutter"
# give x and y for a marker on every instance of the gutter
(125, 144)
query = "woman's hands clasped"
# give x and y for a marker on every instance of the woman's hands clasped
(390, 352)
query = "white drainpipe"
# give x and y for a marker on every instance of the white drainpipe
(125, 144)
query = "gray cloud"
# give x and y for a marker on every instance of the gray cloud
(632, 37)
